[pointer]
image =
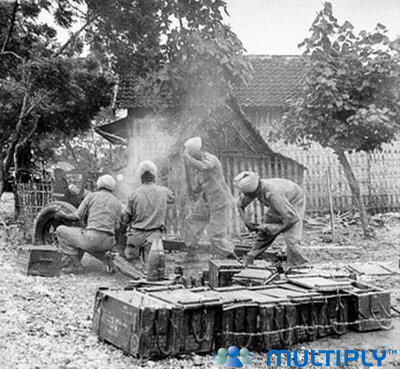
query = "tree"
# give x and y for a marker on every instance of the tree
(46, 90)
(90, 153)
(351, 97)
(178, 54)
(169, 47)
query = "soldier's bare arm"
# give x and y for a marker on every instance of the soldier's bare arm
(203, 165)
(241, 203)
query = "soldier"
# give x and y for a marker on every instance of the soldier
(286, 204)
(101, 211)
(145, 212)
(212, 204)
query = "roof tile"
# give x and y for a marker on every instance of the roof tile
(276, 79)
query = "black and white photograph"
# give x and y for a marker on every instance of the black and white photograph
(199, 184)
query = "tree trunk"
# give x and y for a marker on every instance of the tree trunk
(1, 174)
(17, 206)
(355, 189)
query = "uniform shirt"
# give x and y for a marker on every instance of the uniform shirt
(212, 181)
(102, 211)
(147, 207)
(283, 198)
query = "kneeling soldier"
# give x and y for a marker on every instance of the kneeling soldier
(101, 210)
(145, 212)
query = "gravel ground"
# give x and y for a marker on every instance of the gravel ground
(46, 322)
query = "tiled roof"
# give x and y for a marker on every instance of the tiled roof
(127, 96)
(276, 78)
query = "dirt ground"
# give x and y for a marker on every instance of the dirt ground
(46, 322)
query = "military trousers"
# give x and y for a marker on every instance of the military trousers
(197, 220)
(75, 241)
(292, 236)
(139, 242)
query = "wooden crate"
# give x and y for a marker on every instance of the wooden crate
(251, 319)
(275, 318)
(39, 260)
(200, 318)
(252, 276)
(308, 306)
(239, 316)
(137, 323)
(335, 313)
(222, 271)
(369, 307)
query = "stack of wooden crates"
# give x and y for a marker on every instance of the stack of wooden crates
(169, 320)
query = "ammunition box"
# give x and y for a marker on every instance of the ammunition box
(200, 316)
(222, 271)
(369, 307)
(308, 305)
(252, 276)
(39, 260)
(239, 316)
(137, 323)
(335, 313)
(276, 317)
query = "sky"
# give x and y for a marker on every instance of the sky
(278, 26)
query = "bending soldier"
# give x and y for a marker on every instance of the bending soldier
(286, 204)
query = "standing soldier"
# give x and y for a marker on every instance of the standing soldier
(213, 203)
(101, 211)
(145, 212)
(286, 204)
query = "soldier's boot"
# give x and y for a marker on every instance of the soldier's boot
(71, 264)
(295, 257)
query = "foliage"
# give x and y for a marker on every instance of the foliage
(351, 95)
(171, 48)
(64, 95)
(178, 54)
(47, 91)
(351, 99)
(91, 153)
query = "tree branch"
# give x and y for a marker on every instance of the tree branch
(13, 54)
(18, 128)
(69, 146)
(73, 38)
(30, 134)
(77, 9)
(11, 28)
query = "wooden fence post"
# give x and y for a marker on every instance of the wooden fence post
(328, 185)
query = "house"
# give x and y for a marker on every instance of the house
(226, 132)
(276, 79)
(263, 101)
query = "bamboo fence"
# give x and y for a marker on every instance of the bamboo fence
(32, 197)
(378, 174)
